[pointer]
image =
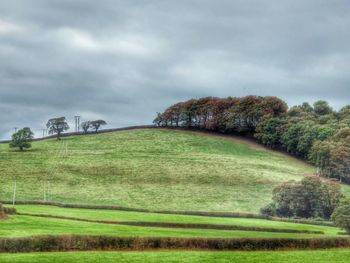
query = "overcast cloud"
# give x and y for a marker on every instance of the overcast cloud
(122, 61)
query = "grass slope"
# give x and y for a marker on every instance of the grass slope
(154, 217)
(21, 226)
(149, 168)
(321, 256)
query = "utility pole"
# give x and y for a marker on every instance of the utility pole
(77, 123)
(45, 188)
(15, 129)
(44, 132)
(14, 192)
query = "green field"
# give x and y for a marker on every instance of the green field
(156, 169)
(149, 168)
(21, 226)
(126, 216)
(320, 256)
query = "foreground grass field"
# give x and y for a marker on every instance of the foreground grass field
(126, 216)
(321, 256)
(149, 168)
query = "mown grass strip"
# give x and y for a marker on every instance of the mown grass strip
(86, 243)
(178, 225)
(190, 213)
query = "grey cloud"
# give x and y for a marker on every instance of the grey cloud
(125, 60)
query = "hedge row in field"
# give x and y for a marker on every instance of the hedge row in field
(193, 213)
(179, 225)
(84, 243)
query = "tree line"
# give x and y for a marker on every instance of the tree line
(23, 137)
(315, 132)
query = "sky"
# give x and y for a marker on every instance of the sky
(123, 61)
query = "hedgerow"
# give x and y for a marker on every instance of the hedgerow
(84, 243)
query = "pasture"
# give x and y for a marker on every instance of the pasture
(151, 169)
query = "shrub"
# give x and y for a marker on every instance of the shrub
(311, 197)
(269, 210)
(341, 216)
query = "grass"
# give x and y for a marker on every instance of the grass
(149, 168)
(22, 226)
(108, 215)
(321, 256)
(158, 170)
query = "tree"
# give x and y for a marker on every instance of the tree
(188, 116)
(57, 125)
(306, 107)
(269, 131)
(340, 163)
(22, 139)
(341, 215)
(247, 113)
(320, 156)
(311, 197)
(332, 158)
(97, 124)
(306, 131)
(332, 197)
(322, 107)
(290, 138)
(86, 126)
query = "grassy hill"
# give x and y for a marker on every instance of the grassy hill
(149, 168)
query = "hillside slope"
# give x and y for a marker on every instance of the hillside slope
(149, 168)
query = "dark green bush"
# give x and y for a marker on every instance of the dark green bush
(268, 210)
(341, 215)
(309, 198)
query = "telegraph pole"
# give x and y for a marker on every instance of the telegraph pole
(77, 123)
(14, 193)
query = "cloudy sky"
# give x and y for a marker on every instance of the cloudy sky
(125, 60)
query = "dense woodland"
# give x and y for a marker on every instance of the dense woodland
(315, 132)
